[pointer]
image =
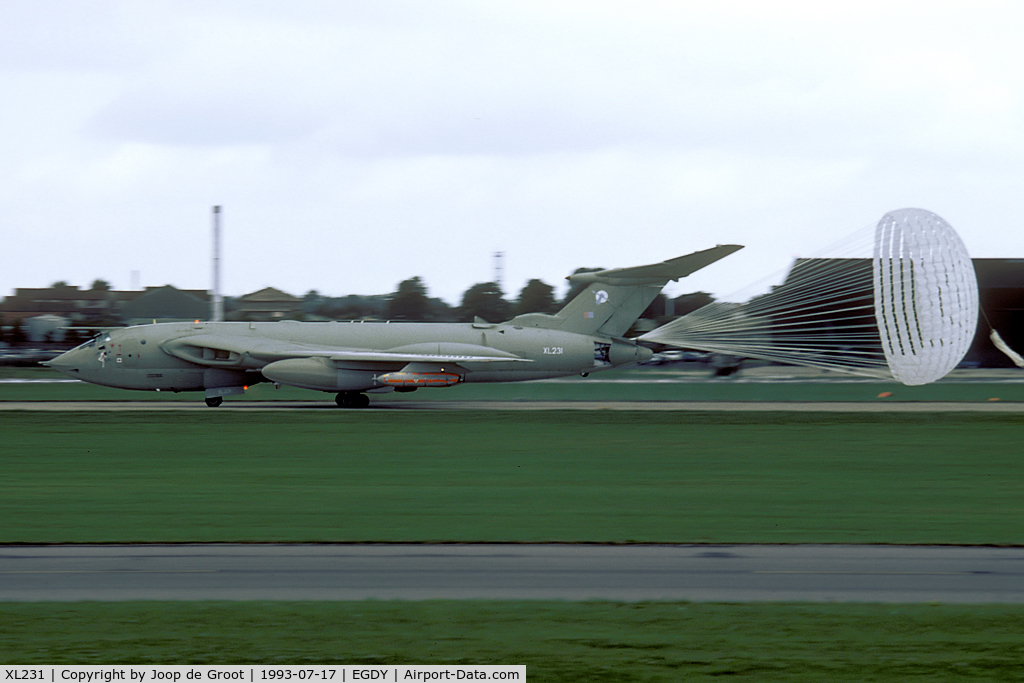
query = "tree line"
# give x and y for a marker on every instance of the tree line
(410, 302)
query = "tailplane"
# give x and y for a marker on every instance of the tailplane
(613, 299)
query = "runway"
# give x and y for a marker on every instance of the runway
(700, 573)
(660, 406)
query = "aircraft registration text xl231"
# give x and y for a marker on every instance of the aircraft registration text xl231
(353, 359)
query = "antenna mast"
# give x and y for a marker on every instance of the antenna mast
(499, 268)
(217, 314)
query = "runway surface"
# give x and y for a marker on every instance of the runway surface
(729, 573)
(724, 406)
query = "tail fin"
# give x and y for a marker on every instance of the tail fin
(615, 298)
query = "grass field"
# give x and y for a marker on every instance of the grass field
(556, 641)
(465, 475)
(493, 476)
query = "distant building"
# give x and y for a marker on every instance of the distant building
(163, 304)
(267, 304)
(66, 301)
(1001, 290)
(82, 307)
(101, 307)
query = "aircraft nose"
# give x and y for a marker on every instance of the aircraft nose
(66, 362)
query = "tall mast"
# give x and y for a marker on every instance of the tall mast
(217, 314)
(499, 269)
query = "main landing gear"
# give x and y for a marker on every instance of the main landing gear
(352, 399)
(214, 401)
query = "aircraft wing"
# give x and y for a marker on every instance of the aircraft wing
(390, 356)
(221, 349)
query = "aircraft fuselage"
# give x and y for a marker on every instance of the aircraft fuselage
(174, 357)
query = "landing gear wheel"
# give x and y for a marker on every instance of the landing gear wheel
(352, 400)
(214, 401)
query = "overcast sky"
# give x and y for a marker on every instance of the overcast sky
(357, 144)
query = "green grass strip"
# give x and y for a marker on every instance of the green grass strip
(490, 476)
(594, 641)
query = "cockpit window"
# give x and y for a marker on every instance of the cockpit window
(91, 343)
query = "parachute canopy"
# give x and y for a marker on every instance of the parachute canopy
(905, 309)
(926, 295)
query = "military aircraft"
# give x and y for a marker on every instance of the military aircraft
(352, 359)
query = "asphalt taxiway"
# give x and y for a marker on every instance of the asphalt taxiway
(720, 573)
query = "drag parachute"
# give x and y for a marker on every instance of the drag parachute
(926, 295)
(904, 307)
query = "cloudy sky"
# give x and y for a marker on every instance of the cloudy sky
(357, 144)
